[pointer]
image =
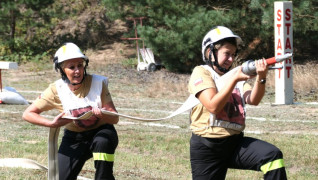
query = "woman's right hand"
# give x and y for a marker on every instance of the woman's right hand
(32, 115)
(59, 121)
(240, 76)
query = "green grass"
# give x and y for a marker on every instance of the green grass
(146, 152)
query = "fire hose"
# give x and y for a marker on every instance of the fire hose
(53, 174)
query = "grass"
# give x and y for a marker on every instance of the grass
(147, 150)
(304, 77)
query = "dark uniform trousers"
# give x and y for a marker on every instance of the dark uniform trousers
(211, 157)
(77, 147)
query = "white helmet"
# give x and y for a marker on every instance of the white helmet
(68, 51)
(216, 34)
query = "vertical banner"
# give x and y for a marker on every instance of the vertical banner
(284, 91)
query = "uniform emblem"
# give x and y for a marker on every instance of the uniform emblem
(198, 81)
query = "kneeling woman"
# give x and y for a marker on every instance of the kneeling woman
(74, 94)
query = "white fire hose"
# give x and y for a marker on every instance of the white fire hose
(53, 172)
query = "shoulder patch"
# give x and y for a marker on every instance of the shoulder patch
(198, 81)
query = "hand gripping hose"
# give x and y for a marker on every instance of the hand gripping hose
(249, 68)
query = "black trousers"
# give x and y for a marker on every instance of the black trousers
(77, 147)
(211, 157)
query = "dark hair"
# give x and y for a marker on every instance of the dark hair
(231, 40)
(216, 46)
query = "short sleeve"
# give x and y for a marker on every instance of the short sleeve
(48, 99)
(200, 80)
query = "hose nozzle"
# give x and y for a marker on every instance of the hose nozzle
(249, 68)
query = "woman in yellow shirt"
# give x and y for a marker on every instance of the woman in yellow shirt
(75, 94)
(217, 123)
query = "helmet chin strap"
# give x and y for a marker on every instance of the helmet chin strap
(216, 63)
(74, 84)
(66, 80)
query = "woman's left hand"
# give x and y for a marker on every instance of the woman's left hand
(261, 68)
(97, 112)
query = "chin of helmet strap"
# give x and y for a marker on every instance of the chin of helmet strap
(74, 84)
(66, 80)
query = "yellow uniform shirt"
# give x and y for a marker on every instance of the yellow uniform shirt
(200, 80)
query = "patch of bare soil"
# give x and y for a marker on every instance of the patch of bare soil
(111, 53)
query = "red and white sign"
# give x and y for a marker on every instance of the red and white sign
(284, 92)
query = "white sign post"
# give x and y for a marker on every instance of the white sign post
(284, 91)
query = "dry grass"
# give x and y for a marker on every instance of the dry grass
(162, 87)
(305, 77)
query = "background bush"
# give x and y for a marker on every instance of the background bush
(174, 29)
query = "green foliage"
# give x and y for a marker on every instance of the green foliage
(25, 26)
(31, 30)
(130, 63)
(174, 29)
(37, 5)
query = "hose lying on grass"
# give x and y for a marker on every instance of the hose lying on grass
(52, 169)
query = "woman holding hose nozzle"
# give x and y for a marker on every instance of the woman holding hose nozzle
(217, 123)
(75, 94)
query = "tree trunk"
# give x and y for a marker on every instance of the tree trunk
(12, 29)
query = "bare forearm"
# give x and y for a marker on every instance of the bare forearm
(215, 101)
(257, 93)
(32, 115)
(222, 97)
(36, 119)
(110, 119)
